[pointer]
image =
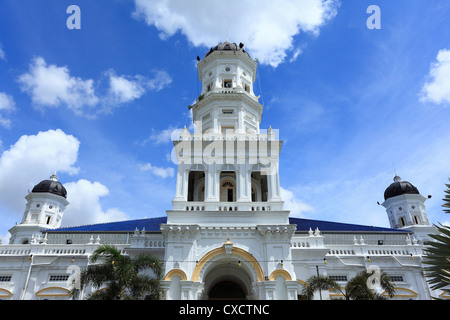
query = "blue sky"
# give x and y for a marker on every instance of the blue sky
(98, 104)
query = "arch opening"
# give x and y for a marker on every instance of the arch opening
(227, 280)
(226, 290)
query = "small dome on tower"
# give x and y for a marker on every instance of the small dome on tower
(228, 46)
(51, 186)
(399, 187)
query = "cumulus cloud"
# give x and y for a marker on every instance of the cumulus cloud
(34, 158)
(266, 27)
(51, 86)
(294, 205)
(128, 88)
(31, 159)
(437, 90)
(54, 86)
(7, 105)
(85, 207)
(158, 171)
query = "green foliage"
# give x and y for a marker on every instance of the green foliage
(447, 199)
(438, 252)
(438, 258)
(121, 277)
(315, 283)
(355, 289)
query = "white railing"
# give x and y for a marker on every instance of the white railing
(52, 249)
(375, 250)
(225, 206)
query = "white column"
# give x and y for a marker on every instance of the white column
(243, 177)
(211, 183)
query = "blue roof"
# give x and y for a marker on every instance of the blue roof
(153, 224)
(150, 224)
(329, 226)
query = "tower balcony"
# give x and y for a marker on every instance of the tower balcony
(226, 206)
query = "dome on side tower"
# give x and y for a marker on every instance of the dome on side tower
(51, 186)
(399, 187)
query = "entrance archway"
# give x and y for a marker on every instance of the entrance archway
(227, 290)
(235, 265)
(227, 279)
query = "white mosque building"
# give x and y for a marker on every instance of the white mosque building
(227, 234)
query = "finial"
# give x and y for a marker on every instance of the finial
(396, 177)
(54, 177)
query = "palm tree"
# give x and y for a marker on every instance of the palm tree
(355, 289)
(438, 252)
(447, 199)
(438, 259)
(318, 282)
(121, 277)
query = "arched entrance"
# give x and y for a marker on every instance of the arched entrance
(227, 290)
(233, 272)
(227, 279)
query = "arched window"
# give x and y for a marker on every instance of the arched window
(227, 191)
(196, 186)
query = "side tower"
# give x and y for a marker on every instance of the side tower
(405, 208)
(227, 232)
(45, 207)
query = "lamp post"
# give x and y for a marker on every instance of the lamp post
(320, 289)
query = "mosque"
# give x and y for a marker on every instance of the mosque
(227, 235)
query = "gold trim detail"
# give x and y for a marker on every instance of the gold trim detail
(237, 251)
(175, 272)
(280, 272)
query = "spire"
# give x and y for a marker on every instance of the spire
(54, 177)
(397, 178)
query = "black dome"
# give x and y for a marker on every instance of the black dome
(399, 187)
(51, 186)
(227, 46)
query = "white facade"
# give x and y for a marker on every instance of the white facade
(227, 234)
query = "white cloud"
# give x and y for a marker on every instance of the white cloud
(53, 86)
(266, 27)
(31, 159)
(158, 171)
(34, 158)
(161, 80)
(126, 88)
(163, 136)
(296, 207)
(85, 207)
(2, 53)
(437, 90)
(7, 105)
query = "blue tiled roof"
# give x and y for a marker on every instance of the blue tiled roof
(152, 224)
(328, 226)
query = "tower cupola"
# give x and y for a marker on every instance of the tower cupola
(45, 207)
(405, 208)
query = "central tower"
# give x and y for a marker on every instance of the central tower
(227, 227)
(228, 163)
